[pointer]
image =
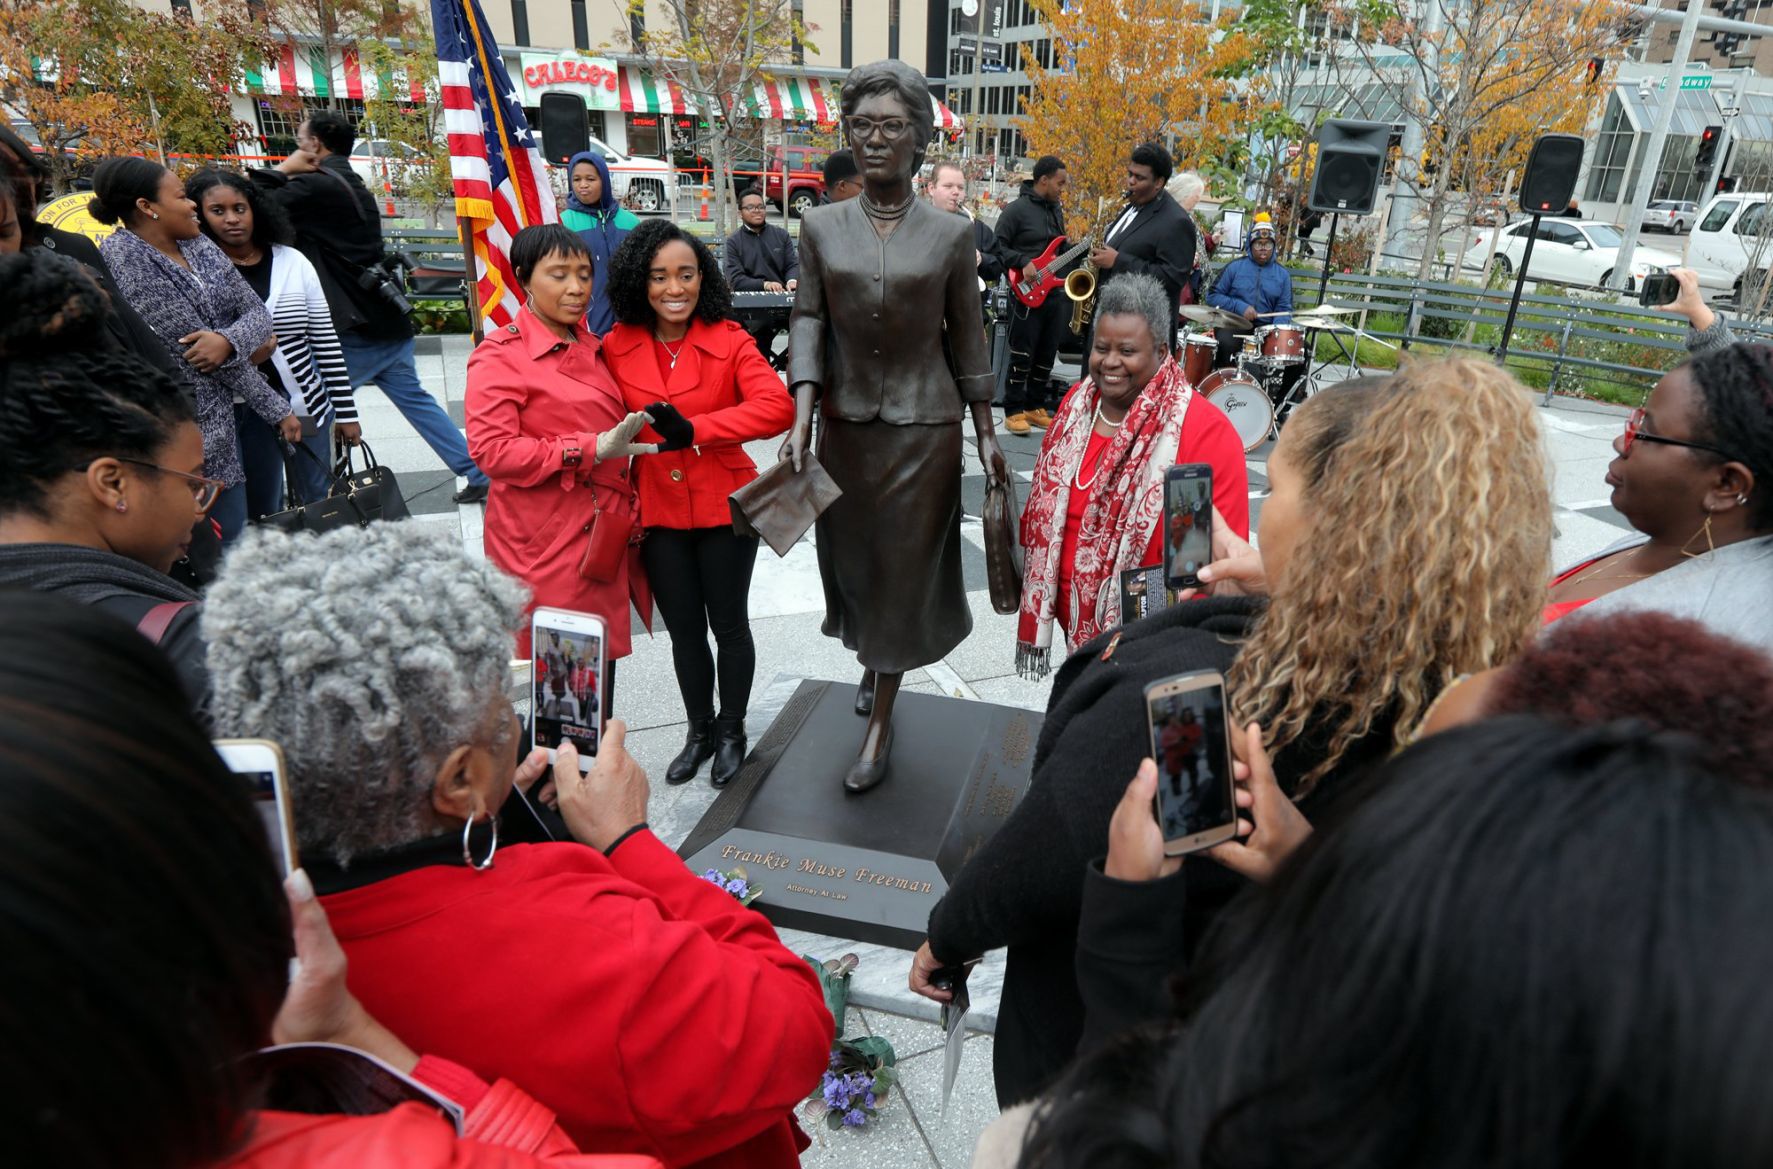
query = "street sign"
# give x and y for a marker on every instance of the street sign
(967, 46)
(1693, 81)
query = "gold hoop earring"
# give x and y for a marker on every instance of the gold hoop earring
(1704, 530)
(467, 845)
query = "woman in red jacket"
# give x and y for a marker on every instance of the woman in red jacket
(152, 948)
(546, 423)
(707, 389)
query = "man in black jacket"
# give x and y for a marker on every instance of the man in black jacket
(1024, 230)
(760, 257)
(1152, 234)
(947, 191)
(338, 228)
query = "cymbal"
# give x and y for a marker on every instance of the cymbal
(1326, 310)
(1214, 318)
(1323, 324)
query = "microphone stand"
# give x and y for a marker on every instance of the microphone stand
(1514, 302)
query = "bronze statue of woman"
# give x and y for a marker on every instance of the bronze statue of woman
(885, 279)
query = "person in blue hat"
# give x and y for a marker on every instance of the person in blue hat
(592, 211)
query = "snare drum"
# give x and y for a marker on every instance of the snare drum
(1282, 344)
(1245, 403)
(1199, 350)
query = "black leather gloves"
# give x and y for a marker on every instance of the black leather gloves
(676, 430)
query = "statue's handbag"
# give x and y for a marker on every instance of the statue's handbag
(782, 503)
(1003, 545)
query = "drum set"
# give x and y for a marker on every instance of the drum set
(1271, 374)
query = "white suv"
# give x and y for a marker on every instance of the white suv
(1671, 215)
(1727, 235)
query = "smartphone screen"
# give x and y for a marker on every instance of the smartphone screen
(1191, 743)
(1659, 289)
(567, 664)
(1188, 523)
(260, 763)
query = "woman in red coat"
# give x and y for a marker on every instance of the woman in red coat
(546, 423)
(707, 389)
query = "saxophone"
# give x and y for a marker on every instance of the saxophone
(1080, 287)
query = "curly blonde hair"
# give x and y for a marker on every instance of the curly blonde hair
(1427, 556)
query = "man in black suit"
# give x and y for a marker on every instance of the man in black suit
(1152, 234)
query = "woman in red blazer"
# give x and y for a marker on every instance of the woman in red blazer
(546, 423)
(707, 389)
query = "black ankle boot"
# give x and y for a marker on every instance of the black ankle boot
(729, 749)
(698, 745)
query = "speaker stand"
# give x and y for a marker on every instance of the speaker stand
(1514, 302)
(1323, 285)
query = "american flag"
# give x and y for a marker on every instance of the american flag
(501, 183)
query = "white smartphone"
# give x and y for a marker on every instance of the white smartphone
(566, 666)
(1191, 742)
(260, 763)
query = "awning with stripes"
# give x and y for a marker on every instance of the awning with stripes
(794, 99)
(303, 72)
(644, 93)
(946, 119)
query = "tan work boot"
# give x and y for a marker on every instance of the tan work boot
(1016, 423)
(1040, 419)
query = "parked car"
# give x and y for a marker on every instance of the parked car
(381, 164)
(805, 167)
(1671, 215)
(1580, 252)
(641, 184)
(1726, 238)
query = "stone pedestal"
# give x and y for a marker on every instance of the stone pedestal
(869, 866)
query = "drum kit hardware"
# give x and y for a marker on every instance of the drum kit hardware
(1271, 374)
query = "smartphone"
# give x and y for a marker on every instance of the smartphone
(1188, 523)
(566, 669)
(1659, 288)
(260, 762)
(1191, 742)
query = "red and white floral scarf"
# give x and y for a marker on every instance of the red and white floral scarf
(1126, 506)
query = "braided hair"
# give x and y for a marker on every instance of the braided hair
(1736, 413)
(67, 396)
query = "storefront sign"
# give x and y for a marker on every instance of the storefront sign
(592, 78)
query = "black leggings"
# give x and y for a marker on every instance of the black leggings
(701, 577)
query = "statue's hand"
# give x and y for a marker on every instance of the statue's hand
(795, 446)
(990, 454)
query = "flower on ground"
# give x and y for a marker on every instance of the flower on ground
(736, 887)
(855, 1118)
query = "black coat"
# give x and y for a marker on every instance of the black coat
(991, 265)
(1159, 242)
(1026, 227)
(1025, 888)
(339, 228)
(750, 259)
(123, 324)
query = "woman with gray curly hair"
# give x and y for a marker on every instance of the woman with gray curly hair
(1096, 506)
(387, 699)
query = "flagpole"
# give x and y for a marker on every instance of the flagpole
(470, 276)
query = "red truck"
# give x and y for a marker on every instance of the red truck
(806, 177)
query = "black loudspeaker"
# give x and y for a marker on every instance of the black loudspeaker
(1550, 182)
(1350, 163)
(564, 127)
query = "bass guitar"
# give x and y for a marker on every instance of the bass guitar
(1030, 285)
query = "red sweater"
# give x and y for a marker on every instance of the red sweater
(640, 1003)
(502, 1128)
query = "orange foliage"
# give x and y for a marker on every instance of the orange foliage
(1130, 72)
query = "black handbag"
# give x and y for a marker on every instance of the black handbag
(344, 505)
(1003, 545)
(377, 490)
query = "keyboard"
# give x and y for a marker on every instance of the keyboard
(763, 308)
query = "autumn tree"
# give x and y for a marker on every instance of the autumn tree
(1484, 78)
(716, 52)
(1137, 71)
(96, 77)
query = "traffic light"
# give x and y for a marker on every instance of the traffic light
(1726, 184)
(1708, 147)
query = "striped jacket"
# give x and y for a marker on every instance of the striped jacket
(308, 354)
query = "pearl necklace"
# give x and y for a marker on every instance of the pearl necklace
(895, 212)
(1077, 475)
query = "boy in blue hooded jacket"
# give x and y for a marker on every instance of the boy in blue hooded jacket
(1255, 286)
(591, 211)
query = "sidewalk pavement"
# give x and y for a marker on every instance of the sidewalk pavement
(786, 610)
